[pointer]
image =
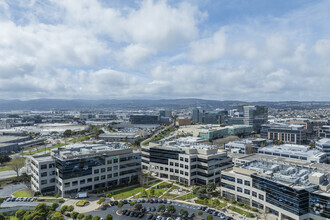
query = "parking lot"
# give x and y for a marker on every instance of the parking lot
(152, 208)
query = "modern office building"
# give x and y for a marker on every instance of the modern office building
(246, 146)
(288, 133)
(294, 151)
(82, 167)
(255, 116)
(183, 121)
(281, 187)
(188, 163)
(120, 137)
(165, 113)
(324, 131)
(144, 119)
(210, 117)
(323, 145)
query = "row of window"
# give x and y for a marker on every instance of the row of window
(44, 166)
(238, 180)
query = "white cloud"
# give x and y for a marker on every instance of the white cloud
(134, 54)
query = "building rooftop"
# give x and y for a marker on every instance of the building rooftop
(324, 141)
(118, 134)
(7, 138)
(291, 149)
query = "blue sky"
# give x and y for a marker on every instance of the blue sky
(224, 50)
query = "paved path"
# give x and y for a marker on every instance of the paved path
(10, 189)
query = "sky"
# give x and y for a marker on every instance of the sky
(256, 50)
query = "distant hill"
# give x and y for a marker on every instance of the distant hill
(112, 104)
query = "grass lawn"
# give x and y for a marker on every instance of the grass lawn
(4, 168)
(82, 203)
(22, 193)
(12, 218)
(40, 199)
(187, 196)
(152, 183)
(123, 194)
(242, 212)
(43, 149)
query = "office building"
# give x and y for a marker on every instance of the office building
(246, 146)
(210, 117)
(255, 116)
(323, 145)
(281, 187)
(144, 119)
(165, 113)
(184, 121)
(188, 163)
(324, 131)
(119, 137)
(293, 151)
(13, 144)
(288, 133)
(83, 167)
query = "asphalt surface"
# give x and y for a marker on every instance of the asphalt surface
(10, 189)
(112, 210)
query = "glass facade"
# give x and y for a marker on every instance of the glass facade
(162, 156)
(285, 197)
(319, 205)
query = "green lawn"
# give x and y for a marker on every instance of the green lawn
(187, 196)
(22, 193)
(123, 194)
(4, 168)
(12, 218)
(242, 212)
(43, 149)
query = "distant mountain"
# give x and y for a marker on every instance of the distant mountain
(113, 104)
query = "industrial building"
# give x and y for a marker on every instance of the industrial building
(188, 163)
(281, 187)
(84, 167)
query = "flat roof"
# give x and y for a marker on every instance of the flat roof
(6, 138)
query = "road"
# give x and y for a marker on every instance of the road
(156, 133)
(10, 189)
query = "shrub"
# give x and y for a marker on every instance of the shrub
(20, 213)
(70, 208)
(64, 208)
(57, 196)
(88, 217)
(57, 216)
(200, 212)
(109, 195)
(108, 217)
(80, 216)
(132, 203)
(96, 218)
(74, 215)
(209, 217)
(120, 204)
(101, 200)
(82, 203)
(55, 206)
(61, 200)
(2, 217)
(138, 206)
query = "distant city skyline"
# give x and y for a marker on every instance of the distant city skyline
(219, 50)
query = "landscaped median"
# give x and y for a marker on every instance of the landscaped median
(82, 203)
(131, 191)
(242, 212)
(23, 193)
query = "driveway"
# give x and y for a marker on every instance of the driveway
(10, 189)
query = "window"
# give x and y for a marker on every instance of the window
(186, 167)
(181, 172)
(186, 160)
(239, 189)
(115, 168)
(109, 176)
(43, 182)
(171, 170)
(43, 166)
(176, 164)
(96, 178)
(166, 169)
(74, 183)
(254, 194)
(82, 181)
(89, 180)
(229, 178)
(109, 161)
(115, 160)
(96, 171)
(246, 191)
(66, 184)
(109, 168)
(161, 168)
(102, 170)
(181, 158)
(43, 174)
(240, 181)
(176, 171)
(115, 174)
(171, 163)
(246, 183)
(181, 165)
(52, 173)
(186, 173)
(261, 197)
(52, 180)
(103, 177)
(51, 165)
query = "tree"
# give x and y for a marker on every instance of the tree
(171, 209)
(2, 217)
(70, 208)
(183, 212)
(161, 207)
(120, 204)
(108, 217)
(101, 200)
(64, 208)
(132, 203)
(67, 133)
(80, 216)
(57, 216)
(74, 215)
(96, 218)
(109, 195)
(16, 164)
(88, 217)
(55, 206)
(138, 206)
(210, 187)
(209, 217)
(19, 214)
(152, 191)
(250, 149)
(200, 212)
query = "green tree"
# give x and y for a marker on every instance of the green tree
(55, 206)
(210, 187)
(96, 218)
(67, 133)
(209, 217)
(19, 214)
(80, 216)
(101, 200)
(70, 208)
(200, 212)
(183, 212)
(108, 217)
(109, 195)
(2, 217)
(16, 164)
(138, 206)
(74, 215)
(64, 208)
(57, 216)
(171, 209)
(132, 203)
(120, 204)
(88, 217)
(152, 191)
(161, 207)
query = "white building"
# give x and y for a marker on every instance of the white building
(323, 145)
